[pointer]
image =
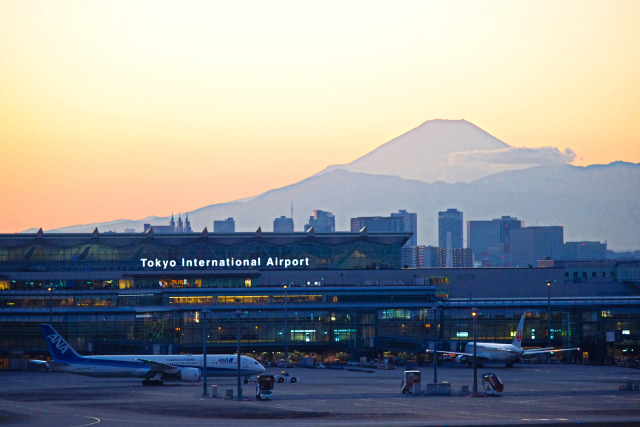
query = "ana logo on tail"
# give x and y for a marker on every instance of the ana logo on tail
(58, 342)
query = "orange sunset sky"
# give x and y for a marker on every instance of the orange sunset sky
(125, 109)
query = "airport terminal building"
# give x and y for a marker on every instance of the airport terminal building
(332, 295)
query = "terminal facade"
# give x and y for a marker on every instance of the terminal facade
(331, 295)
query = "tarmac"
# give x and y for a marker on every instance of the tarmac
(547, 394)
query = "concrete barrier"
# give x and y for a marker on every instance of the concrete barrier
(438, 389)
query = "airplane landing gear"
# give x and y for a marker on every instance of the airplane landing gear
(152, 382)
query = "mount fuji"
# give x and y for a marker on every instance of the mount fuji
(445, 164)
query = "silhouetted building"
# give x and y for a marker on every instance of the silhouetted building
(450, 222)
(462, 258)
(585, 250)
(180, 227)
(224, 226)
(434, 257)
(402, 221)
(409, 224)
(322, 222)
(430, 257)
(490, 240)
(283, 225)
(531, 244)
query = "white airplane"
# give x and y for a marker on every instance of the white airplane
(153, 368)
(501, 353)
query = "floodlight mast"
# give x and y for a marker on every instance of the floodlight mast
(474, 315)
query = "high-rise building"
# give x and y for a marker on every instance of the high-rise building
(585, 250)
(450, 222)
(283, 225)
(409, 223)
(434, 257)
(224, 226)
(402, 221)
(429, 257)
(490, 240)
(322, 222)
(530, 244)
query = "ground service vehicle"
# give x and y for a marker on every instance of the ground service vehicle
(264, 387)
(285, 377)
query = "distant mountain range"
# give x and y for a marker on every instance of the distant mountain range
(447, 164)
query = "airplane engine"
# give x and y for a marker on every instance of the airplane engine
(462, 359)
(190, 375)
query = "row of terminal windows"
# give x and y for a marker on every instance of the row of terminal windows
(602, 274)
(157, 299)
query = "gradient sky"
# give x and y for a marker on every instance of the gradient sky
(125, 109)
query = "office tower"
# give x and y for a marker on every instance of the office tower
(322, 222)
(530, 244)
(490, 240)
(283, 225)
(224, 226)
(400, 222)
(450, 222)
(408, 223)
(585, 250)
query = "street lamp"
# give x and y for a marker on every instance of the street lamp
(286, 327)
(204, 353)
(50, 289)
(548, 314)
(238, 350)
(474, 315)
(434, 309)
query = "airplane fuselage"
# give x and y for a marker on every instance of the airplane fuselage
(496, 352)
(133, 365)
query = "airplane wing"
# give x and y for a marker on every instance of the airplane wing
(479, 355)
(548, 350)
(52, 364)
(160, 367)
(447, 352)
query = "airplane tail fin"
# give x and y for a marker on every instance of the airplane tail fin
(517, 340)
(60, 349)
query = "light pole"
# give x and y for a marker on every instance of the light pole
(548, 314)
(238, 349)
(204, 353)
(50, 306)
(435, 345)
(286, 327)
(474, 315)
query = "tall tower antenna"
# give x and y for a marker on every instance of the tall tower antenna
(292, 209)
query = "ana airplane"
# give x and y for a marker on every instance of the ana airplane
(501, 353)
(153, 368)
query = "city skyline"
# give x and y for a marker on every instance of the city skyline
(120, 110)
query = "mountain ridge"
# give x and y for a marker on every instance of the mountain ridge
(549, 191)
(486, 199)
